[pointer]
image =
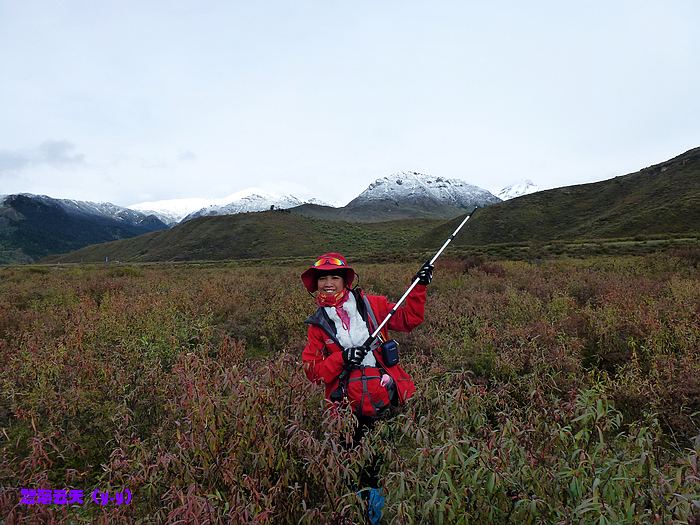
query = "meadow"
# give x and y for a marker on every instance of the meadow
(553, 391)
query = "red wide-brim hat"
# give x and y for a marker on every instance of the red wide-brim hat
(327, 261)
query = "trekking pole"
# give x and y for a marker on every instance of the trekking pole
(414, 283)
(337, 396)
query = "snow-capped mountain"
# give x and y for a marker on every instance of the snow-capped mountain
(318, 202)
(105, 210)
(255, 200)
(417, 188)
(518, 189)
(172, 211)
(251, 199)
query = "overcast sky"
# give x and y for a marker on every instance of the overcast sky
(129, 101)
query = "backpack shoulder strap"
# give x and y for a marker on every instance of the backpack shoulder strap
(320, 318)
(365, 309)
(367, 314)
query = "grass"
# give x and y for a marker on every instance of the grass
(562, 390)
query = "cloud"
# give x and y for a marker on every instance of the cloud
(55, 153)
(186, 155)
(59, 152)
(12, 161)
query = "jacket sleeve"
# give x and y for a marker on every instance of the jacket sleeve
(317, 366)
(410, 313)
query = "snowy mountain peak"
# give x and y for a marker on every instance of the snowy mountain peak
(318, 202)
(249, 200)
(414, 186)
(172, 211)
(95, 209)
(518, 189)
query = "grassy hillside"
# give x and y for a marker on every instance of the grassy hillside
(662, 199)
(378, 211)
(256, 235)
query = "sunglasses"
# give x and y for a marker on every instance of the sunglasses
(329, 260)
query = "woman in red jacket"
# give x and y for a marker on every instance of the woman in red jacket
(337, 330)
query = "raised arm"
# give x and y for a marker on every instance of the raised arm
(410, 313)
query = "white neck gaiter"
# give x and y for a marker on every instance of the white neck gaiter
(357, 334)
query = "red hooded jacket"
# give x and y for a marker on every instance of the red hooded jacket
(323, 355)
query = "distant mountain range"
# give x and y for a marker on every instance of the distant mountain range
(33, 226)
(661, 199)
(401, 195)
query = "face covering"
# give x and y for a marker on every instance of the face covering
(336, 300)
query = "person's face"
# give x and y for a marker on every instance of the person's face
(331, 283)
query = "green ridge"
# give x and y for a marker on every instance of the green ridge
(662, 199)
(256, 235)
